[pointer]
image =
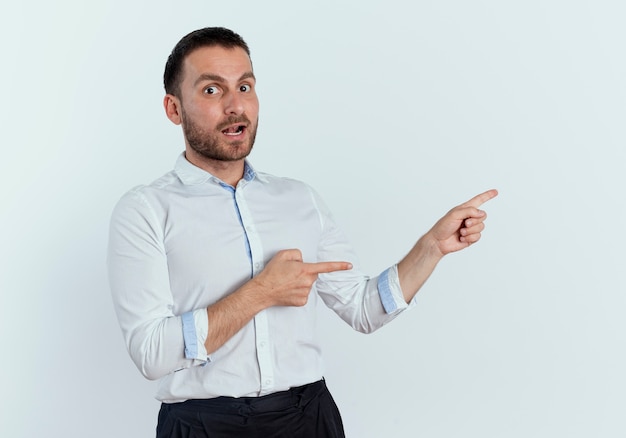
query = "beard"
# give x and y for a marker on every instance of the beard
(212, 145)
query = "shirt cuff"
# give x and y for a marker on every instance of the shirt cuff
(195, 330)
(390, 292)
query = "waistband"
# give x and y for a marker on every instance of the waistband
(293, 397)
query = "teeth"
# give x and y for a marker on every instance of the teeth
(233, 131)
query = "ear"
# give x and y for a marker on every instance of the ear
(172, 107)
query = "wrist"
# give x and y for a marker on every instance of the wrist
(428, 247)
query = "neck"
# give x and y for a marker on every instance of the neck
(228, 171)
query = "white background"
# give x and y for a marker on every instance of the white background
(394, 111)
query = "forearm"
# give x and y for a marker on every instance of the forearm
(415, 268)
(230, 314)
(285, 281)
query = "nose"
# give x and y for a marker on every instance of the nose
(233, 104)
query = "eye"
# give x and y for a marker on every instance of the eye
(245, 88)
(211, 90)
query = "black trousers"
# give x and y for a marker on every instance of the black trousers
(307, 411)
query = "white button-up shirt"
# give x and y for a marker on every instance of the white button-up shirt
(188, 239)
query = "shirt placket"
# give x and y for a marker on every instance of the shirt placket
(261, 326)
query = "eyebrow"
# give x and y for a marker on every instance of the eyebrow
(218, 78)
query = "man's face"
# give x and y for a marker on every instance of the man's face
(219, 107)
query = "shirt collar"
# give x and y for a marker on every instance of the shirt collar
(192, 175)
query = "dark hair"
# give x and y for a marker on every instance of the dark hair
(209, 36)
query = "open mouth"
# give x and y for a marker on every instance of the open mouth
(234, 130)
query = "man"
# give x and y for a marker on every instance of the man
(216, 268)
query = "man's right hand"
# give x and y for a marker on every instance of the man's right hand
(287, 280)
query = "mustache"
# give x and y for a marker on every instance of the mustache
(233, 120)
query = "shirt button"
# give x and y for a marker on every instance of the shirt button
(268, 382)
(262, 344)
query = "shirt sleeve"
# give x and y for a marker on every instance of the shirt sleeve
(364, 303)
(158, 341)
(390, 291)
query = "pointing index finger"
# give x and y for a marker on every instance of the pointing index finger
(479, 200)
(325, 267)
